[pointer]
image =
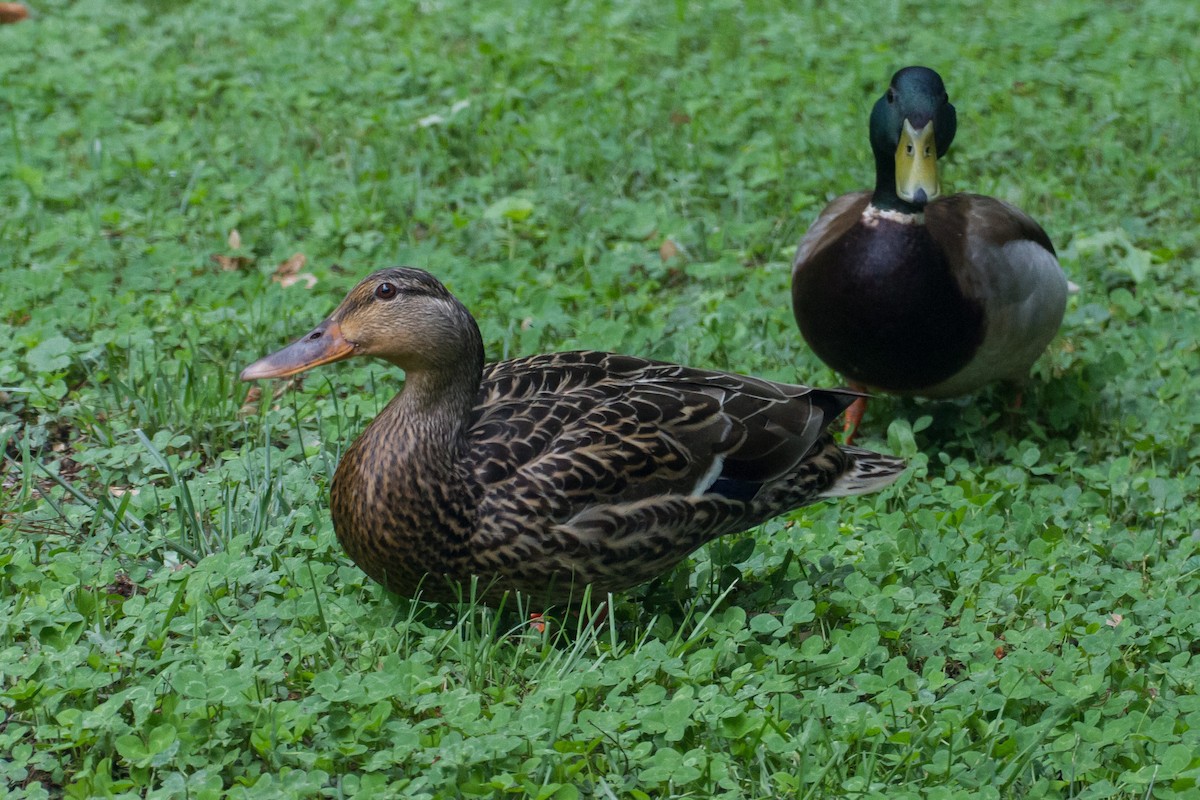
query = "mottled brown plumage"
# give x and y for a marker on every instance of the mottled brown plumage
(549, 473)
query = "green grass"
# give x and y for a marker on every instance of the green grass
(1018, 617)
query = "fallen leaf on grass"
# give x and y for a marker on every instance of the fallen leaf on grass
(232, 263)
(291, 266)
(1113, 620)
(124, 587)
(289, 272)
(250, 404)
(309, 279)
(668, 250)
(254, 395)
(121, 491)
(12, 12)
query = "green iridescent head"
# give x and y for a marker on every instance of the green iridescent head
(912, 126)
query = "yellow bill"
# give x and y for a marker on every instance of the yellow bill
(916, 165)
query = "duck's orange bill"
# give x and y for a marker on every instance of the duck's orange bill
(323, 345)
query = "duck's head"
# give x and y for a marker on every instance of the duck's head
(403, 315)
(912, 126)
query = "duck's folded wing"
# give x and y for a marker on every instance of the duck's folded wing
(1006, 261)
(588, 428)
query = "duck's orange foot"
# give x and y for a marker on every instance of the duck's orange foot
(537, 622)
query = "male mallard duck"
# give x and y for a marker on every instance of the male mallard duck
(551, 472)
(903, 291)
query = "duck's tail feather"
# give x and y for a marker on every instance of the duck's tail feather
(868, 472)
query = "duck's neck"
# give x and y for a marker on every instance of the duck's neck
(403, 501)
(430, 415)
(421, 433)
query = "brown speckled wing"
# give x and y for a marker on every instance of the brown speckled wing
(595, 427)
(608, 469)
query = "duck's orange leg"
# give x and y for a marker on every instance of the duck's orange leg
(599, 616)
(854, 414)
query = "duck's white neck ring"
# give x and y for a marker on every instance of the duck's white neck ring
(873, 215)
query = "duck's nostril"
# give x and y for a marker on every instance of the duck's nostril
(312, 337)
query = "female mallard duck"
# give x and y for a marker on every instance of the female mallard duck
(903, 291)
(548, 473)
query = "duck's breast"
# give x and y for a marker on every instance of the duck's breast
(880, 303)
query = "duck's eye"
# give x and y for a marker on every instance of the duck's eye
(891, 95)
(385, 291)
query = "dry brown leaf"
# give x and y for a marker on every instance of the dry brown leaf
(289, 272)
(254, 395)
(1113, 620)
(290, 267)
(668, 250)
(124, 587)
(286, 385)
(12, 12)
(679, 118)
(121, 491)
(232, 263)
(235, 240)
(250, 404)
(285, 281)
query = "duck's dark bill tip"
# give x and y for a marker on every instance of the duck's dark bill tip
(323, 345)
